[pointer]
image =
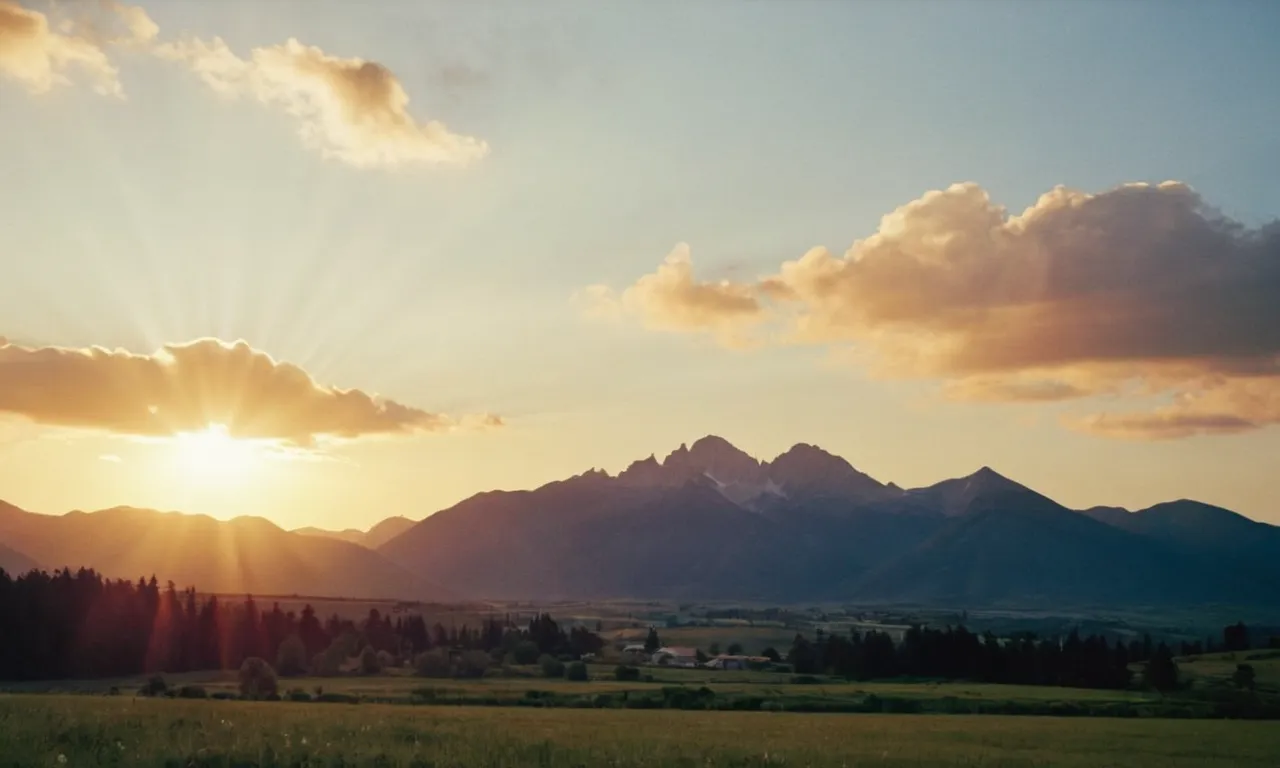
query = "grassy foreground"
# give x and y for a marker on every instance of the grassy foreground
(48, 730)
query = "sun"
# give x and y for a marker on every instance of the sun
(213, 455)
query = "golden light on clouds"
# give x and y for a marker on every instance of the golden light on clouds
(1142, 290)
(348, 109)
(189, 389)
(41, 57)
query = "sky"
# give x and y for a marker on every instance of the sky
(328, 262)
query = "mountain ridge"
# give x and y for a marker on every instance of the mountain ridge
(808, 526)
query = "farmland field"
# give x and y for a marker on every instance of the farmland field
(50, 730)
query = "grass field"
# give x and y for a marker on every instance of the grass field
(400, 687)
(48, 730)
(1219, 667)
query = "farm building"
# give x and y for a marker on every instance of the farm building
(672, 656)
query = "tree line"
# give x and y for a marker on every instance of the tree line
(958, 654)
(72, 625)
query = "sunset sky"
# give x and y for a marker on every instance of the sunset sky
(476, 246)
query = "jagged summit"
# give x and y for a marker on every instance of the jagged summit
(804, 470)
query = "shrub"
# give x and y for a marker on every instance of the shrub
(370, 664)
(626, 674)
(297, 694)
(192, 692)
(337, 698)
(551, 666)
(156, 686)
(291, 659)
(472, 664)
(223, 696)
(257, 678)
(805, 680)
(1244, 676)
(434, 663)
(525, 652)
(577, 672)
(326, 664)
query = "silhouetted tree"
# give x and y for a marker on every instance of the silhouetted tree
(1161, 672)
(651, 641)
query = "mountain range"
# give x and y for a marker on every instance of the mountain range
(247, 555)
(706, 522)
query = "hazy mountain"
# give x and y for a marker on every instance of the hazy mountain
(386, 531)
(245, 555)
(14, 562)
(353, 535)
(710, 521)
(1208, 532)
(373, 538)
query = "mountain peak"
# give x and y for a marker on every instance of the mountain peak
(717, 457)
(809, 469)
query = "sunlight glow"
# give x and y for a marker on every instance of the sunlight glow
(214, 456)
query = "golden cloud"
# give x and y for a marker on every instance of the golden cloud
(348, 109)
(351, 110)
(1143, 289)
(40, 57)
(188, 387)
(673, 299)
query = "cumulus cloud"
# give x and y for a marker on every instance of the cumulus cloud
(673, 299)
(188, 387)
(1142, 290)
(349, 109)
(41, 57)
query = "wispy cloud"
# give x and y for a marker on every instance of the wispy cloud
(348, 109)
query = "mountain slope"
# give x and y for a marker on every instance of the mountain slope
(245, 555)
(1203, 531)
(353, 535)
(1005, 544)
(386, 531)
(594, 536)
(14, 562)
(373, 538)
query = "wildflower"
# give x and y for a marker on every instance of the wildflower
(62, 759)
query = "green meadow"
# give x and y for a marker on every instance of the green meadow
(53, 730)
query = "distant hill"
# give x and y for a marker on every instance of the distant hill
(14, 562)
(1212, 534)
(244, 555)
(710, 521)
(375, 537)
(352, 535)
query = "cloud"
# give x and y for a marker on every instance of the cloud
(348, 109)
(351, 110)
(110, 458)
(1141, 290)
(187, 387)
(672, 299)
(40, 57)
